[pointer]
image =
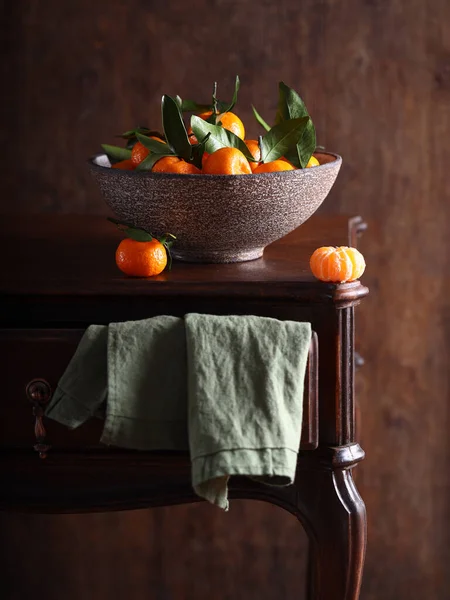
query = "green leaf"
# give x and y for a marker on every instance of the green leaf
(219, 137)
(175, 129)
(135, 233)
(282, 138)
(115, 153)
(132, 132)
(139, 235)
(227, 108)
(179, 101)
(291, 106)
(154, 145)
(152, 158)
(260, 120)
(127, 134)
(198, 151)
(167, 243)
(131, 138)
(212, 118)
(191, 106)
(119, 223)
(222, 107)
(293, 157)
(306, 146)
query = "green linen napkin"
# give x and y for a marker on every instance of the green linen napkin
(229, 388)
(146, 407)
(82, 389)
(139, 367)
(245, 390)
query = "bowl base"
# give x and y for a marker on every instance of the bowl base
(216, 256)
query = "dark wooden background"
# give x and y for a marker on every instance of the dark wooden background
(376, 77)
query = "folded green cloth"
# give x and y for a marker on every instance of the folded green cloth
(245, 393)
(82, 389)
(139, 367)
(228, 388)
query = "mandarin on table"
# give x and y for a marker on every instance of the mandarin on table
(337, 265)
(227, 161)
(141, 259)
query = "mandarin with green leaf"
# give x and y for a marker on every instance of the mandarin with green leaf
(228, 120)
(139, 152)
(141, 259)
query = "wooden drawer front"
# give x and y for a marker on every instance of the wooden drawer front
(26, 355)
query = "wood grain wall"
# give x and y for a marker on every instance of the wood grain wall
(376, 77)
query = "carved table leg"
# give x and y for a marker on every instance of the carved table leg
(334, 516)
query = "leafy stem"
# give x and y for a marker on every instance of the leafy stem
(214, 99)
(260, 120)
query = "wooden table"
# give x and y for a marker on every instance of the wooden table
(61, 277)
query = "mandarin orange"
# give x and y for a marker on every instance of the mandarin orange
(204, 157)
(140, 152)
(287, 161)
(229, 121)
(339, 264)
(141, 259)
(233, 123)
(274, 166)
(227, 161)
(313, 162)
(255, 151)
(173, 164)
(126, 165)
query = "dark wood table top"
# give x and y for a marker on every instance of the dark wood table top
(64, 255)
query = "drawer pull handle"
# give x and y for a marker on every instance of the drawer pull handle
(39, 393)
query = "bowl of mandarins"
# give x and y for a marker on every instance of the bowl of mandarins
(224, 197)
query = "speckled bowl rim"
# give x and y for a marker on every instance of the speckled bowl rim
(207, 176)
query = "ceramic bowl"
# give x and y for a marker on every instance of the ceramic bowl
(217, 218)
